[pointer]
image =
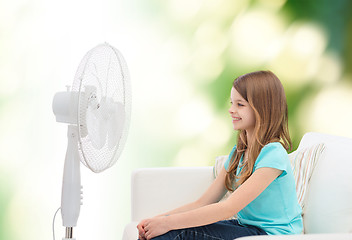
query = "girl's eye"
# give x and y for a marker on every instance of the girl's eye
(238, 104)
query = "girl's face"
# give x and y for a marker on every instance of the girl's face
(242, 114)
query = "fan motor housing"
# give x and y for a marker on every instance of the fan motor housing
(65, 105)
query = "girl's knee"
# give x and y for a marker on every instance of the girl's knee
(172, 235)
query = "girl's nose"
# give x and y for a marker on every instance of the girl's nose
(231, 109)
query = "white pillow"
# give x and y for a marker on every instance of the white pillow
(219, 163)
(303, 163)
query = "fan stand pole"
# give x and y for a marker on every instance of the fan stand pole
(71, 184)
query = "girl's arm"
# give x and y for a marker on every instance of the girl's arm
(214, 212)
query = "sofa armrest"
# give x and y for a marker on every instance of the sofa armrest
(157, 190)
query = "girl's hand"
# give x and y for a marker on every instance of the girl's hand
(141, 231)
(156, 226)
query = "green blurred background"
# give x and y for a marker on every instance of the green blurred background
(183, 56)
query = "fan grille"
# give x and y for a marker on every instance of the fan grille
(105, 68)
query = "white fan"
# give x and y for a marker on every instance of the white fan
(97, 110)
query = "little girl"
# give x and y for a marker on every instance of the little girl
(257, 173)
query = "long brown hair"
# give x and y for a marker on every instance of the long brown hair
(265, 94)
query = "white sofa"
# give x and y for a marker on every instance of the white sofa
(328, 202)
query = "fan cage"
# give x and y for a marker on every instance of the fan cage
(105, 68)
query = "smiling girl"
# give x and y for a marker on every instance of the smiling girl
(257, 173)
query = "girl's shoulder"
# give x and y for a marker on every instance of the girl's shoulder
(274, 147)
(272, 155)
(273, 151)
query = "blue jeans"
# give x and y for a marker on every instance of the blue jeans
(223, 230)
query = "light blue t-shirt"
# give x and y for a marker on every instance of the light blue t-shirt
(276, 210)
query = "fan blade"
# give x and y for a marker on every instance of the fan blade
(116, 123)
(97, 124)
(87, 96)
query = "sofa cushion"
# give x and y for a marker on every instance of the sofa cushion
(130, 232)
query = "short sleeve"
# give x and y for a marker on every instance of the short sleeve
(227, 162)
(273, 155)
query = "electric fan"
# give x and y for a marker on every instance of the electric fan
(97, 110)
